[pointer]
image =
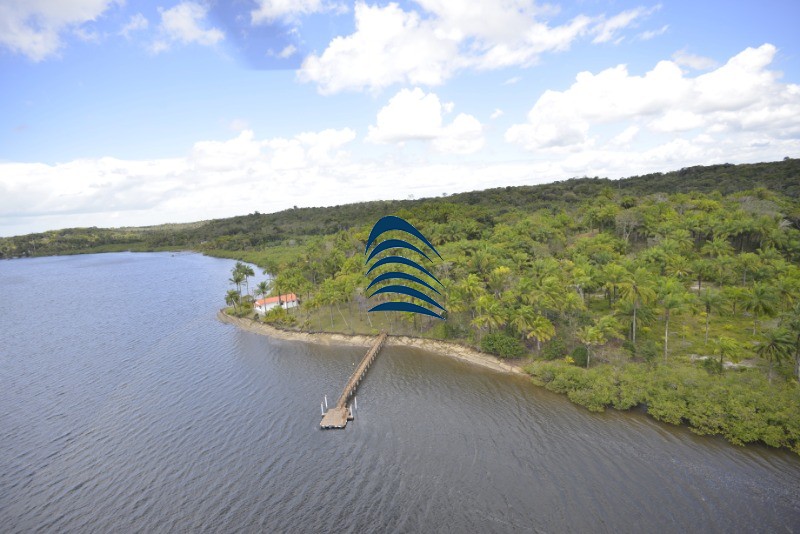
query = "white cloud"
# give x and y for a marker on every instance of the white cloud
(462, 136)
(685, 59)
(136, 23)
(625, 137)
(419, 54)
(607, 29)
(271, 10)
(513, 80)
(216, 178)
(651, 34)
(409, 115)
(244, 174)
(497, 113)
(287, 52)
(34, 28)
(185, 24)
(413, 115)
(742, 95)
(426, 47)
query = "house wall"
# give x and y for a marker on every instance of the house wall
(265, 308)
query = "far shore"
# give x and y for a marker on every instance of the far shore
(444, 348)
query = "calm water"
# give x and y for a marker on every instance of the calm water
(126, 406)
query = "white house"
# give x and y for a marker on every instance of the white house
(286, 301)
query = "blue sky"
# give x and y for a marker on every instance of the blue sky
(117, 113)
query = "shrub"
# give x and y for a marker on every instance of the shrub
(554, 349)
(503, 345)
(580, 355)
(278, 315)
(453, 331)
(648, 350)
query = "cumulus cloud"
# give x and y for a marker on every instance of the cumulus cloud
(742, 95)
(185, 24)
(215, 178)
(427, 46)
(34, 29)
(415, 115)
(220, 178)
(419, 55)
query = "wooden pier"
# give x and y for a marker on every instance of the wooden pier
(337, 416)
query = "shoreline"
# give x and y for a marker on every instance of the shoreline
(442, 348)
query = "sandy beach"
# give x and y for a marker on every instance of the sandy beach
(450, 350)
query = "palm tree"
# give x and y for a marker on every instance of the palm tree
(776, 345)
(490, 314)
(793, 325)
(711, 299)
(262, 289)
(498, 279)
(471, 288)
(609, 326)
(541, 329)
(761, 300)
(247, 271)
(726, 346)
(702, 268)
(673, 298)
(232, 299)
(614, 274)
(237, 278)
(591, 336)
(637, 289)
(718, 247)
(522, 318)
(748, 262)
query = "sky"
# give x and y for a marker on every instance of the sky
(124, 113)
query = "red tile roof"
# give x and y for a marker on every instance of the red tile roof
(288, 297)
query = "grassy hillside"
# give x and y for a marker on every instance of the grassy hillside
(256, 233)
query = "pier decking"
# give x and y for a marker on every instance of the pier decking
(337, 416)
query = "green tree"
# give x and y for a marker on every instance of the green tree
(232, 298)
(775, 346)
(491, 314)
(541, 329)
(792, 324)
(717, 248)
(262, 289)
(726, 347)
(638, 290)
(237, 278)
(761, 300)
(710, 299)
(614, 274)
(591, 336)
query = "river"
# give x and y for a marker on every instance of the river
(126, 406)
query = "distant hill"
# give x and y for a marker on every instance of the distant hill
(256, 231)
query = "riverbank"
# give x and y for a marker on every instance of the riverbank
(443, 348)
(742, 406)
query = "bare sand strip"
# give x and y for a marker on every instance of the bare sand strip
(444, 348)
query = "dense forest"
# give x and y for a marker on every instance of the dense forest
(676, 292)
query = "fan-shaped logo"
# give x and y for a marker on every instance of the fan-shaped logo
(398, 279)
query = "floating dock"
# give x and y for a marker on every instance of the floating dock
(337, 416)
